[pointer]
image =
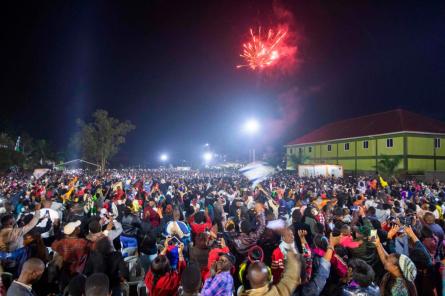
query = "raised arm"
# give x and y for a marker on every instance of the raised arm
(261, 218)
(390, 238)
(112, 234)
(381, 251)
(27, 228)
(45, 228)
(291, 276)
(418, 244)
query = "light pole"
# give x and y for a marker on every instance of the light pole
(251, 127)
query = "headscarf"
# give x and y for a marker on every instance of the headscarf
(407, 267)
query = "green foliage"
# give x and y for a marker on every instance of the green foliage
(387, 164)
(296, 160)
(9, 158)
(37, 152)
(32, 152)
(99, 140)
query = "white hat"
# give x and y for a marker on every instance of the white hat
(70, 227)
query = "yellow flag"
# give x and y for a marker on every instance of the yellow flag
(67, 195)
(383, 182)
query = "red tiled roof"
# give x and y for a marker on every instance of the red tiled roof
(374, 124)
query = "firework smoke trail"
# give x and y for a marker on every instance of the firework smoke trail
(262, 52)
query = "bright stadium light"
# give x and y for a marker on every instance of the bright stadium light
(252, 126)
(164, 157)
(207, 156)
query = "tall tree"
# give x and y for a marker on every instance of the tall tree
(100, 139)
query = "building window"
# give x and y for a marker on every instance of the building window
(310, 149)
(437, 143)
(329, 147)
(300, 150)
(346, 146)
(365, 144)
(389, 143)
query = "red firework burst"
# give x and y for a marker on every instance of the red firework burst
(262, 51)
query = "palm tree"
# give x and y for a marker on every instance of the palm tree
(388, 164)
(296, 160)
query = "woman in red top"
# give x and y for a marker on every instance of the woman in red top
(200, 222)
(160, 280)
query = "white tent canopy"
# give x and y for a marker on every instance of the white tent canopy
(74, 161)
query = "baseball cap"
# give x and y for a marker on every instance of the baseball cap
(70, 227)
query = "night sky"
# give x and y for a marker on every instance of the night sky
(170, 68)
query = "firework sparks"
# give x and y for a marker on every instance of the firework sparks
(262, 51)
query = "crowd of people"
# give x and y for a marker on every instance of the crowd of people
(169, 232)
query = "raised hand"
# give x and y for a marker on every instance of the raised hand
(288, 236)
(393, 231)
(409, 231)
(376, 240)
(302, 233)
(167, 241)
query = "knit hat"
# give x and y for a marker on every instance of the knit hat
(408, 268)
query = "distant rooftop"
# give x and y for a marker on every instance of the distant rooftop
(393, 121)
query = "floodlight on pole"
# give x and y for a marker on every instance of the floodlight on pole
(164, 157)
(252, 126)
(207, 157)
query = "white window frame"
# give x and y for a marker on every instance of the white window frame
(437, 143)
(347, 145)
(367, 144)
(329, 147)
(388, 141)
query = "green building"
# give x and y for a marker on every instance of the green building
(357, 143)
